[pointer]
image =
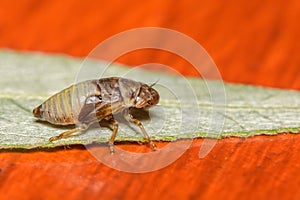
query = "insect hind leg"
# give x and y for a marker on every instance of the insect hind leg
(66, 134)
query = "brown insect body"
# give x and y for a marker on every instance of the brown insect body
(94, 100)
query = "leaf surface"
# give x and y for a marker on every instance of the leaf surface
(188, 108)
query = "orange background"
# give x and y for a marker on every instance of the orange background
(253, 42)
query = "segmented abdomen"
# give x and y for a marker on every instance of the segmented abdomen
(63, 108)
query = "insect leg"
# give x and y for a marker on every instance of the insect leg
(130, 118)
(85, 117)
(105, 112)
(111, 141)
(67, 133)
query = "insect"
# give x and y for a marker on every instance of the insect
(91, 101)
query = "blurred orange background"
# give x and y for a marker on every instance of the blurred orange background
(253, 42)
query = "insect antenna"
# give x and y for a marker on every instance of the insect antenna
(154, 83)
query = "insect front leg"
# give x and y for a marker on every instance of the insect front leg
(130, 118)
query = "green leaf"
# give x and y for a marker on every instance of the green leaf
(188, 108)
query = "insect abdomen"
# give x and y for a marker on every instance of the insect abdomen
(63, 108)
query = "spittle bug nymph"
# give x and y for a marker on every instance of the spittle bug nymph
(92, 101)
